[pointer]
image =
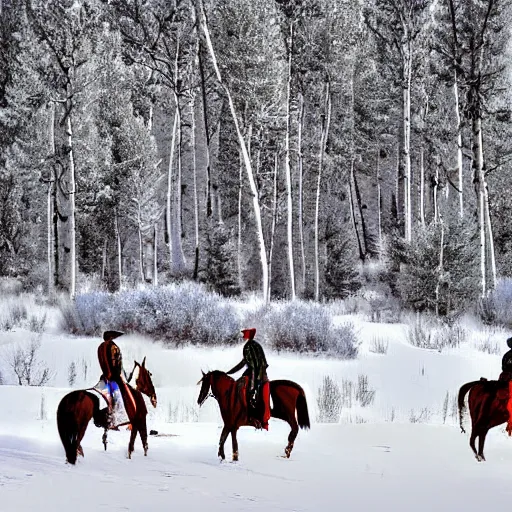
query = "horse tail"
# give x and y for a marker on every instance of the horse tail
(302, 411)
(462, 406)
(68, 430)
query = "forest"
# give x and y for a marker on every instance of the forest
(307, 149)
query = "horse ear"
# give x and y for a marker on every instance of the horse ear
(143, 362)
(136, 364)
(203, 373)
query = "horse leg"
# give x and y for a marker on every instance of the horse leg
(104, 438)
(80, 435)
(143, 432)
(222, 440)
(131, 444)
(481, 442)
(292, 436)
(234, 444)
(472, 440)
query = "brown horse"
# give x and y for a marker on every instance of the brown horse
(288, 398)
(487, 403)
(77, 408)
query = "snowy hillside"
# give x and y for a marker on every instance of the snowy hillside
(396, 441)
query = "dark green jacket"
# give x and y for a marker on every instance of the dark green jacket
(254, 358)
(506, 362)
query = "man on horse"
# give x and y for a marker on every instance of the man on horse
(111, 363)
(256, 374)
(506, 375)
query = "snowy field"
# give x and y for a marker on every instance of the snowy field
(403, 451)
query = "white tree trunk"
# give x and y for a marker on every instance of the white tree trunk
(323, 142)
(49, 206)
(288, 172)
(459, 146)
(301, 193)
(176, 226)
(440, 267)
(71, 220)
(407, 151)
(239, 245)
(434, 193)
(119, 250)
(104, 260)
(422, 187)
(194, 171)
(168, 209)
(274, 221)
(247, 160)
(141, 245)
(379, 200)
(155, 257)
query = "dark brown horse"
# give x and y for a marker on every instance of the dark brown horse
(487, 403)
(77, 408)
(288, 400)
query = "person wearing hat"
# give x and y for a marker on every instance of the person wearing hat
(506, 363)
(111, 363)
(506, 375)
(256, 372)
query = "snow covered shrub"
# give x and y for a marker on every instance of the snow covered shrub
(434, 333)
(307, 327)
(422, 416)
(86, 315)
(496, 308)
(37, 323)
(363, 394)
(25, 363)
(72, 374)
(379, 345)
(329, 401)
(489, 347)
(185, 313)
(424, 286)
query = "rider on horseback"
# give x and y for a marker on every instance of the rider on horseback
(111, 363)
(506, 363)
(506, 375)
(256, 372)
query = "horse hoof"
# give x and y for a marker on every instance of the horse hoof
(235, 457)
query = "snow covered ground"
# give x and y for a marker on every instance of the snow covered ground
(404, 451)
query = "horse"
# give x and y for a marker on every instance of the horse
(76, 409)
(288, 398)
(487, 403)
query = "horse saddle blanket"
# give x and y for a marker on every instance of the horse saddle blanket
(264, 397)
(121, 405)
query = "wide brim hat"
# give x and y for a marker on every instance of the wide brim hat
(111, 335)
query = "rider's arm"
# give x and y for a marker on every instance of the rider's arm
(238, 367)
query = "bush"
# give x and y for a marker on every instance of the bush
(180, 314)
(307, 328)
(329, 401)
(496, 308)
(86, 314)
(434, 333)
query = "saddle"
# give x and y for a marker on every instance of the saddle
(121, 406)
(259, 413)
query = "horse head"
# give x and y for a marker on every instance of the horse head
(144, 383)
(206, 382)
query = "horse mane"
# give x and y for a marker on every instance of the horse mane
(220, 373)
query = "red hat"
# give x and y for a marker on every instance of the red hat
(249, 333)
